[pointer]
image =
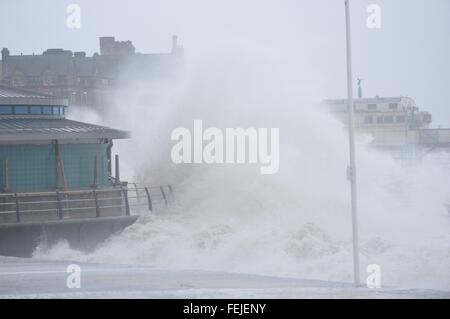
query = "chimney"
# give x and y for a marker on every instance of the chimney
(57, 51)
(174, 43)
(359, 89)
(5, 53)
(106, 44)
(79, 54)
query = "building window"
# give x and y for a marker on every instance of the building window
(35, 110)
(5, 110)
(400, 119)
(368, 119)
(31, 110)
(21, 110)
(49, 78)
(372, 106)
(47, 110)
(380, 120)
(393, 106)
(388, 119)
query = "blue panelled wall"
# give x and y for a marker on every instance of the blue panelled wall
(32, 168)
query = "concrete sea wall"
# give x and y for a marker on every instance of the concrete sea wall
(21, 239)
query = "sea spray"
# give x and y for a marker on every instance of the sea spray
(295, 223)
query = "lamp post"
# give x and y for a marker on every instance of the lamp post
(351, 134)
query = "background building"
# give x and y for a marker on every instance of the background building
(396, 124)
(83, 80)
(391, 121)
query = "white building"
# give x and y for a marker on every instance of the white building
(393, 122)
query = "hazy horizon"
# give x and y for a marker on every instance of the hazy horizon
(251, 69)
(407, 56)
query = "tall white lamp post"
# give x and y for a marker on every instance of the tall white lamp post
(352, 167)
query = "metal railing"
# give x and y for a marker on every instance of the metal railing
(80, 204)
(150, 198)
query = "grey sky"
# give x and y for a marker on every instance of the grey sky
(409, 55)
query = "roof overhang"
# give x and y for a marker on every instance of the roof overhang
(19, 96)
(22, 130)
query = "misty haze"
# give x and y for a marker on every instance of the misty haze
(214, 149)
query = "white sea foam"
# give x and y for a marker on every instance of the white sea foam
(294, 223)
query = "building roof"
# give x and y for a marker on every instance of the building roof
(27, 127)
(7, 92)
(30, 129)
(366, 100)
(15, 96)
(64, 63)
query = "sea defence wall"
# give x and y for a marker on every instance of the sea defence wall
(21, 239)
(83, 218)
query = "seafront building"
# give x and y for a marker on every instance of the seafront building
(55, 176)
(41, 150)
